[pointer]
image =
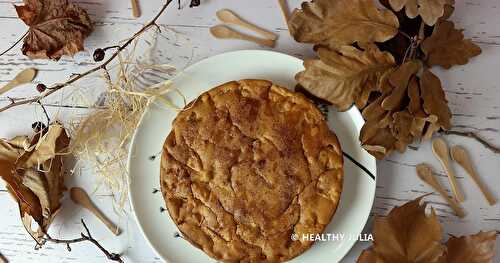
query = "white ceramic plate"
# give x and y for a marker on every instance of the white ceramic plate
(358, 190)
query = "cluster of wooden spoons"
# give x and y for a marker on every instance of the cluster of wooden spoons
(225, 32)
(460, 156)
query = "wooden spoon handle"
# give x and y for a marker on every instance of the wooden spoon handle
(110, 225)
(284, 9)
(224, 32)
(136, 11)
(8, 86)
(453, 182)
(487, 194)
(261, 31)
(452, 203)
(260, 41)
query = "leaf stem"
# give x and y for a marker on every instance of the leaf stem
(15, 44)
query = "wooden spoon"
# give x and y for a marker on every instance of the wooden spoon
(424, 172)
(79, 196)
(284, 9)
(136, 11)
(227, 16)
(225, 32)
(23, 77)
(441, 151)
(459, 155)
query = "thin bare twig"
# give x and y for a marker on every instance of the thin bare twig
(84, 237)
(15, 44)
(476, 137)
(45, 112)
(77, 77)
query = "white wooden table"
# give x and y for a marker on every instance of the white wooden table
(473, 92)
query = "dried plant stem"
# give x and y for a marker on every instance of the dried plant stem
(77, 77)
(15, 44)
(476, 137)
(85, 237)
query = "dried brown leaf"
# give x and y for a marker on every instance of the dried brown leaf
(399, 80)
(415, 104)
(478, 248)
(340, 76)
(429, 10)
(342, 22)
(406, 235)
(56, 28)
(447, 47)
(33, 171)
(401, 129)
(434, 99)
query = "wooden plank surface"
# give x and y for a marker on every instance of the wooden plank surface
(473, 92)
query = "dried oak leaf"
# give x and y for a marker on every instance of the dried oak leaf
(339, 76)
(478, 248)
(399, 80)
(447, 47)
(33, 171)
(342, 22)
(429, 10)
(56, 28)
(406, 235)
(434, 99)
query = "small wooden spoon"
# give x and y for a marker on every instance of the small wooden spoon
(227, 16)
(424, 172)
(79, 196)
(136, 11)
(441, 151)
(459, 155)
(284, 9)
(23, 77)
(224, 32)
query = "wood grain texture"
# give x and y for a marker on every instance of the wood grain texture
(473, 92)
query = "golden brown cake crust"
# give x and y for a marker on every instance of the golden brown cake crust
(247, 164)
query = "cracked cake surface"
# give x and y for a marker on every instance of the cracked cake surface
(246, 165)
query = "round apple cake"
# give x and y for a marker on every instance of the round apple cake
(247, 165)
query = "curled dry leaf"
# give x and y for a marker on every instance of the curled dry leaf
(33, 171)
(434, 98)
(342, 22)
(429, 10)
(340, 76)
(408, 235)
(56, 28)
(409, 108)
(478, 248)
(401, 100)
(447, 47)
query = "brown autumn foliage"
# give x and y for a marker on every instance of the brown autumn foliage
(408, 235)
(380, 59)
(56, 28)
(32, 168)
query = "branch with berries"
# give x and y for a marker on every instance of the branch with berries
(99, 55)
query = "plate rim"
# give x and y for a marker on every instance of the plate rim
(132, 146)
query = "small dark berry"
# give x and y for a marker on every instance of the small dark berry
(194, 3)
(38, 126)
(40, 87)
(99, 54)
